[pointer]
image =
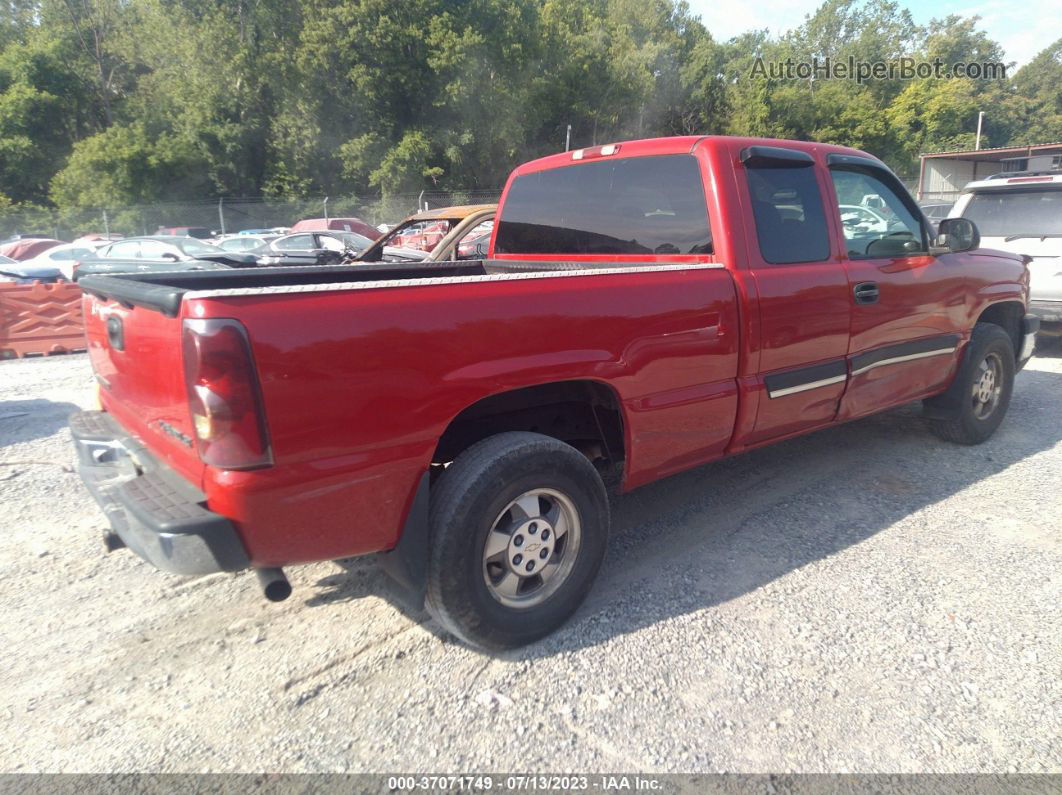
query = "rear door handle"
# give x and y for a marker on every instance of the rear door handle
(866, 293)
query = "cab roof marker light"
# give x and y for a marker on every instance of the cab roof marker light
(609, 149)
(577, 154)
(1031, 179)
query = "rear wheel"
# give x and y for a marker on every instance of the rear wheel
(975, 404)
(519, 525)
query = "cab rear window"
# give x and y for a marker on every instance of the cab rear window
(639, 205)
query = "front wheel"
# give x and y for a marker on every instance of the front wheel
(519, 525)
(975, 404)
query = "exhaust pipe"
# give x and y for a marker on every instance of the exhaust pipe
(275, 585)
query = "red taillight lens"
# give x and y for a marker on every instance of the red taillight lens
(224, 396)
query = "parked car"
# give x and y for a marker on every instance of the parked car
(422, 236)
(200, 232)
(30, 236)
(98, 237)
(1022, 213)
(160, 253)
(355, 225)
(450, 227)
(64, 257)
(244, 243)
(327, 248)
(459, 415)
(15, 272)
(310, 248)
(474, 246)
(862, 220)
(27, 248)
(935, 211)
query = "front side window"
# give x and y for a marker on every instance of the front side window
(154, 249)
(874, 220)
(1025, 213)
(787, 207)
(329, 243)
(128, 249)
(638, 205)
(295, 243)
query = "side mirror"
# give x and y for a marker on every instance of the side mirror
(954, 235)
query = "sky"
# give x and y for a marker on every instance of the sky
(1022, 33)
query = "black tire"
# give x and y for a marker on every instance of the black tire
(958, 415)
(466, 502)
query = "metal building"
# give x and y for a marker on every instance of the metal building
(943, 174)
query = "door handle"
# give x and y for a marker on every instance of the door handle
(866, 293)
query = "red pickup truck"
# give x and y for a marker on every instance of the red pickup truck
(646, 307)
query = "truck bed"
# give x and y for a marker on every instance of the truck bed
(362, 368)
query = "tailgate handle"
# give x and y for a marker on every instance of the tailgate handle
(115, 333)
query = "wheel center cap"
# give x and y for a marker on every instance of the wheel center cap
(985, 387)
(530, 547)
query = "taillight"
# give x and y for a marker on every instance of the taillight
(224, 395)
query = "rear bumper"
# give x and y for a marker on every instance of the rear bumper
(158, 514)
(1047, 311)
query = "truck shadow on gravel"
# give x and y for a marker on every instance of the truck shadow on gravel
(28, 420)
(709, 535)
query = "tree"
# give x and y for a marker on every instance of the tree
(109, 102)
(127, 165)
(1040, 83)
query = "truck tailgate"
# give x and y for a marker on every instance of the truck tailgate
(136, 354)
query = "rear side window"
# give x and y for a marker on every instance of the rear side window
(1016, 212)
(787, 208)
(638, 205)
(70, 253)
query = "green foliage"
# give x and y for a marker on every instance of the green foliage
(405, 165)
(112, 103)
(1040, 83)
(126, 165)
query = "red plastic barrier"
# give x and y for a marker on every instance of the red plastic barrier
(39, 319)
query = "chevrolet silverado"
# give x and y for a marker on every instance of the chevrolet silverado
(645, 307)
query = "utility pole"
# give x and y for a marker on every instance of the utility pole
(568, 139)
(326, 209)
(221, 213)
(106, 225)
(980, 120)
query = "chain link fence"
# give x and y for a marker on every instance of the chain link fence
(232, 215)
(227, 215)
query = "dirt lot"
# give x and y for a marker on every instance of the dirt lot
(868, 598)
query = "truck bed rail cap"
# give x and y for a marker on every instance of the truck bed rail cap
(439, 281)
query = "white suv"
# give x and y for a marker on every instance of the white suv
(1022, 213)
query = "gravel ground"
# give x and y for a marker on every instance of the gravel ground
(867, 599)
